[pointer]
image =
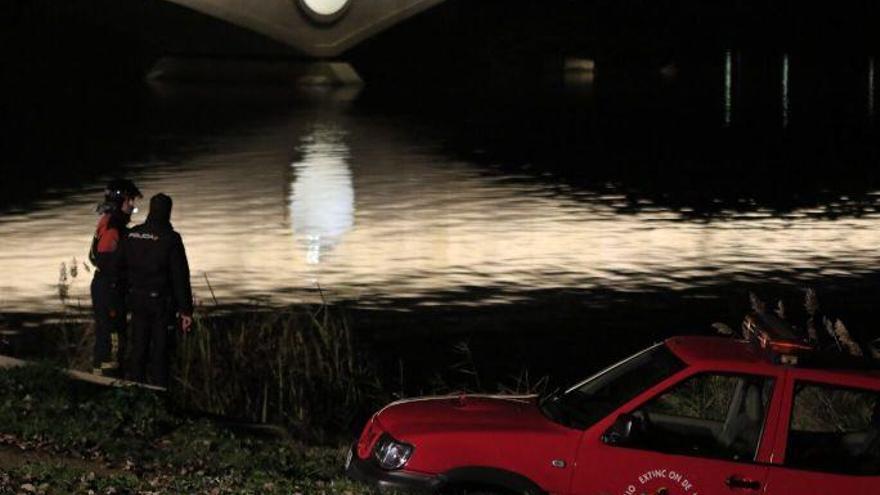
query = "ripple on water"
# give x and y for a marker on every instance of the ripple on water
(351, 204)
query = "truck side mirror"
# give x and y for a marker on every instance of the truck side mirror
(621, 431)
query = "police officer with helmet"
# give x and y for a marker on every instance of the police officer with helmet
(160, 292)
(108, 284)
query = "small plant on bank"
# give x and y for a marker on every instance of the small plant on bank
(73, 332)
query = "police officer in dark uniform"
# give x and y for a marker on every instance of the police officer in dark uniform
(108, 284)
(158, 275)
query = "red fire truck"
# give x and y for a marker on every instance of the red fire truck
(688, 416)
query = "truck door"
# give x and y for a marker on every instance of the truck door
(700, 436)
(829, 440)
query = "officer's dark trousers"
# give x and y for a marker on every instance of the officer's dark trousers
(108, 306)
(152, 328)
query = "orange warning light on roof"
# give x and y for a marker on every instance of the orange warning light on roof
(776, 336)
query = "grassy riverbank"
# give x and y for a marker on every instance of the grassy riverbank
(60, 436)
(298, 366)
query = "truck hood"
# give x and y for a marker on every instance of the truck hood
(463, 413)
(508, 433)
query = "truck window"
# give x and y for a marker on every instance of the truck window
(708, 415)
(593, 399)
(834, 429)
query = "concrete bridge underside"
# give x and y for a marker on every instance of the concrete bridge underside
(315, 28)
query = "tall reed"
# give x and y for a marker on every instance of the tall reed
(297, 365)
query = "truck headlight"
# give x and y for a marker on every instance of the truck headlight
(392, 454)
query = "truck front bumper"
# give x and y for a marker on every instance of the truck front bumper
(367, 471)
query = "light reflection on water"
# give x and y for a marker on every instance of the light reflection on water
(871, 87)
(785, 91)
(322, 195)
(357, 205)
(728, 86)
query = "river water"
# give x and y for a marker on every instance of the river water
(662, 192)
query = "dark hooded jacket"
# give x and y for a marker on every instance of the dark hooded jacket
(155, 259)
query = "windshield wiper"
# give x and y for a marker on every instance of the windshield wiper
(557, 409)
(549, 397)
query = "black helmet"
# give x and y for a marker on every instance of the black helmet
(118, 190)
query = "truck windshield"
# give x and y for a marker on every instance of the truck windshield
(591, 400)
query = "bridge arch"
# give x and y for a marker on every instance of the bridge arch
(315, 28)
